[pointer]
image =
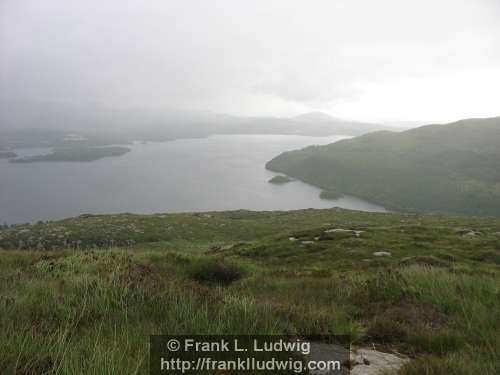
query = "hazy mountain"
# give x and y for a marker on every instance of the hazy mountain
(340, 126)
(315, 117)
(452, 168)
(49, 123)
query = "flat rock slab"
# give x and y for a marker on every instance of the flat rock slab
(382, 254)
(364, 361)
(372, 362)
(340, 230)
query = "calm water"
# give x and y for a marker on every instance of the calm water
(215, 173)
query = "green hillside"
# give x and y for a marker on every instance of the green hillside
(451, 168)
(83, 295)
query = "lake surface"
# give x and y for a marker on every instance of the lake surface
(208, 174)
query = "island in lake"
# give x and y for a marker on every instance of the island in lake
(330, 195)
(280, 179)
(75, 154)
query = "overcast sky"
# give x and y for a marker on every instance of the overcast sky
(371, 60)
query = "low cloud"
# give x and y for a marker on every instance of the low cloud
(259, 57)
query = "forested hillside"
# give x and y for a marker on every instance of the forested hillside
(437, 168)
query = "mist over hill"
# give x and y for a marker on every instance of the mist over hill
(26, 124)
(436, 168)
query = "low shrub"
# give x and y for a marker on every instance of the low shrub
(386, 330)
(488, 257)
(216, 271)
(398, 323)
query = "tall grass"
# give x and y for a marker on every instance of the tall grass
(92, 312)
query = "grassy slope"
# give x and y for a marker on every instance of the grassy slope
(91, 310)
(438, 168)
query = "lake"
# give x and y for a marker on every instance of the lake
(223, 172)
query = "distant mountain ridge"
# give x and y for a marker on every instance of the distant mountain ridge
(437, 168)
(341, 126)
(315, 116)
(48, 124)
